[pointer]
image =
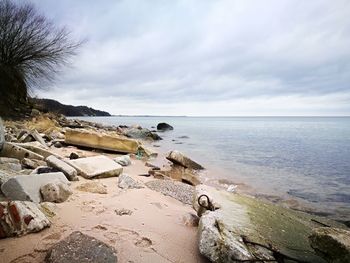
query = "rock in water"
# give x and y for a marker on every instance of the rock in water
(2, 135)
(180, 159)
(19, 218)
(62, 166)
(127, 182)
(27, 188)
(141, 134)
(164, 127)
(331, 243)
(81, 248)
(123, 160)
(240, 228)
(56, 192)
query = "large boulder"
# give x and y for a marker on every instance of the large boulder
(126, 182)
(56, 192)
(2, 135)
(81, 248)
(234, 228)
(27, 187)
(99, 141)
(96, 167)
(178, 158)
(164, 127)
(331, 243)
(141, 134)
(62, 166)
(18, 218)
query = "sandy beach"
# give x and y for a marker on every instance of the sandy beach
(158, 230)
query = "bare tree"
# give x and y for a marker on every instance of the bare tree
(32, 51)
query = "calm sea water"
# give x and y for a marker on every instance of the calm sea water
(301, 158)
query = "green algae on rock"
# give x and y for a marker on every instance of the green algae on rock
(243, 228)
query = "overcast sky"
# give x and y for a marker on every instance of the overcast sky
(206, 57)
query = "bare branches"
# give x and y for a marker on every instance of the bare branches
(31, 46)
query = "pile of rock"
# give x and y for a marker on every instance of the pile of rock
(182, 169)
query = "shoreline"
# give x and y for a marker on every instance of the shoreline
(140, 224)
(215, 173)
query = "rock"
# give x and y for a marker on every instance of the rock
(2, 135)
(27, 188)
(152, 165)
(99, 141)
(123, 160)
(190, 220)
(62, 166)
(127, 182)
(4, 160)
(146, 152)
(56, 192)
(19, 218)
(57, 144)
(190, 178)
(32, 163)
(158, 174)
(14, 151)
(333, 244)
(49, 209)
(180, 159)
(4, 177)
(44, 170)
(236, 228)
(38, 149)
(180, 191)
(141, 134)
(38, 138)
(11, 167)
(35, 113)
(96, 167)
(164, 127)
(73, 156)
(81, 248)
(123, 212)
(92, 187)
(57, 135)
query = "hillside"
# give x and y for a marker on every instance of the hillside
(48, 105)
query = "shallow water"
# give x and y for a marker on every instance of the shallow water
(301, 158)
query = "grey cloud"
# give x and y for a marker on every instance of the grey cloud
(206, 50)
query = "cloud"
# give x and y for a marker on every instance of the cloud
(155, 53)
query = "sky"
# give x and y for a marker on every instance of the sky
(206, 57)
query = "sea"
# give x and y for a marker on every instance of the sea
(300, 162)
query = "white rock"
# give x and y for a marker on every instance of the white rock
(56, 192)
(27, 187)
(126, 182)
(123, 160)
(67, 169)
(96, 167)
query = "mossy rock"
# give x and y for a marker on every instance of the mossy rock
(255, 225)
